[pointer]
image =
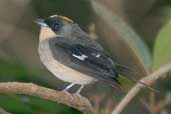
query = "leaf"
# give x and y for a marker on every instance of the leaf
(22, 104)
(14, 105)
(121, 40)
(162, 48)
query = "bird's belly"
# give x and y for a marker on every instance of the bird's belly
(61, 71)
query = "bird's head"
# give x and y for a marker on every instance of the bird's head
(55, 25)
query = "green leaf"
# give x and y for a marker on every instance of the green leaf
(22, 104)
(162, 48)
(14, 105)
(124, 44)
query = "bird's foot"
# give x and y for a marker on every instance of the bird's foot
(69, 94)
(77, 94)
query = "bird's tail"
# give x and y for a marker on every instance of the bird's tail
(124, 70)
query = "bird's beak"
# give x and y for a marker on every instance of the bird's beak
(41, 22)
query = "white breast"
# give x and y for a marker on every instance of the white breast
(59, 70)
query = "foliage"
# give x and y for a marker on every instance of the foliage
(162, 47)
(19, 104)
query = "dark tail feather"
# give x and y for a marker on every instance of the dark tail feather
(123, 70)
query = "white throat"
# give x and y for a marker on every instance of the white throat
(46, 33)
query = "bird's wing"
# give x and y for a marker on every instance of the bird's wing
(85, 59)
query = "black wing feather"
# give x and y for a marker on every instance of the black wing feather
(100, 67)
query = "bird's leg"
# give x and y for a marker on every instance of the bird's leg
(68, 87)
(79, 90)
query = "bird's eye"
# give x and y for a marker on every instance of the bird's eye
(56, 26)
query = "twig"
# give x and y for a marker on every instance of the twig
(159, 107)
(148, 80)
(77, 102)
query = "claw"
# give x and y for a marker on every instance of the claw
(77, 94)
(69, 94)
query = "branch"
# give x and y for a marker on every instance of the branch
(148, 80)
(77, 102)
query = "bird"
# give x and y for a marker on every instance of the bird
(72, 56)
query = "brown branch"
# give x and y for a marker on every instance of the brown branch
(77, 102)
(148, 80)
(159, 107)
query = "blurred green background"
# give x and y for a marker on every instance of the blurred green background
(135, 33)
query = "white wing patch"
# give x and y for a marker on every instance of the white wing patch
(98, 55)
(82, 57)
